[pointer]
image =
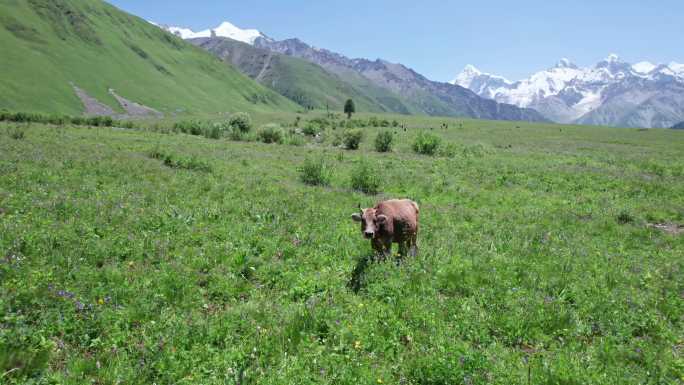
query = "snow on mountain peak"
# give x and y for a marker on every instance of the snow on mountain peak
(226, 29)
(612, 58)
(643, 67)
(566, 92)
(677, 68)
(565, 63)
(467, 76)
(471, 69)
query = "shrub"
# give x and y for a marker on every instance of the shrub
(240, 121)
(175, 161)
(321, 123)
(271, 133)
(94, 121)
(127, 124)
(352, 138)
(383, 141)
(191, 163)
(311, 129)
(100, 121)
(212, 132)
(426, 143)
(449, 150)
(16, 133)
(337, 140)
(352, 123)
(57, 120)
(294, 139)
(315, 172)
(625, 217)
(191, 127)
(364, 178)
(19, 117)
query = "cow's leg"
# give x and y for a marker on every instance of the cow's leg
(403, 250)
(413, 245)
(387, 244)
(380, 248)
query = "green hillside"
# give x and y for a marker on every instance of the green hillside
(305, 83)
(46, 44)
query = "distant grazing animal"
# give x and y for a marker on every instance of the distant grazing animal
(391, 221)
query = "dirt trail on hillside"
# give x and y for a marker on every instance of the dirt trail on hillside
(135, 109)
(267, 63)
(91, 105)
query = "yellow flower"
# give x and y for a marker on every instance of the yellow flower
(379, 380)
(357, 344)
(100, 301)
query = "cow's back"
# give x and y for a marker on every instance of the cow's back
(402, 211)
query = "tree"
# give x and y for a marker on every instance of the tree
(349, 108)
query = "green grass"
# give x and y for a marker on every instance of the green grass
(536, 259)
(46, 44)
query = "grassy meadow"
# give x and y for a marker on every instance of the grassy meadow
(548, 255)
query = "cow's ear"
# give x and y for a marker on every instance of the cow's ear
(382, 218)
(356, 217)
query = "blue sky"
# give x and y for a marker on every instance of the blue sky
(438, 38)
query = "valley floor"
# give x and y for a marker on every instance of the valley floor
(541, 260)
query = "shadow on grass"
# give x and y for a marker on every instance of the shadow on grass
(358, 275)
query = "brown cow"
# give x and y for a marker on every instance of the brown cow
(390, 221)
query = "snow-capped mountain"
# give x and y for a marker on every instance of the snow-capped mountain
(395, 86)
(612, 92)
(226, 29)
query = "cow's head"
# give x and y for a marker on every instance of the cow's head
(371, 222)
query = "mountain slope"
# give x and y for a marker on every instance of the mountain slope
(49, 44)
(639, 103)
(304, 82)
(423, 95)
(612, 92)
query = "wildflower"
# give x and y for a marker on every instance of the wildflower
(357, 344)
(100, 301)
(379, 380)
